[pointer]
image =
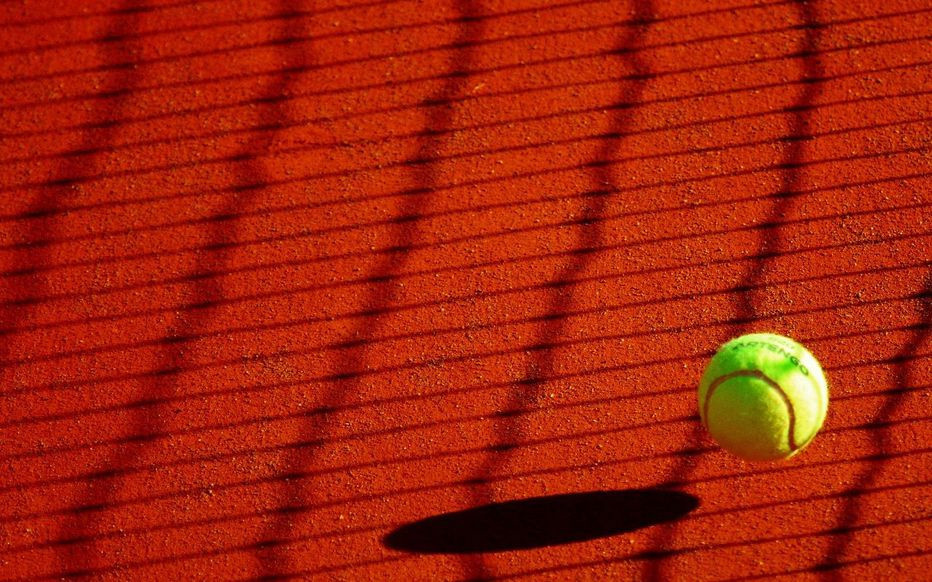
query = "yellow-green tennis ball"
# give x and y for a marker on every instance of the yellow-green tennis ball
(763, 397)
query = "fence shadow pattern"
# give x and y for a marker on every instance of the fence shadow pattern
(478, 224)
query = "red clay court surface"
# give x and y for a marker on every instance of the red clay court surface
(288, 285)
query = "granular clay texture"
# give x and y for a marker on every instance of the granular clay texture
(422, 290)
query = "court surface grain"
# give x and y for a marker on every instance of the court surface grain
(422, 290)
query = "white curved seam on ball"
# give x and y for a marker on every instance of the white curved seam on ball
(791, 436)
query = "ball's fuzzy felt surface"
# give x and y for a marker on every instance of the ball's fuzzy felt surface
(763, 397)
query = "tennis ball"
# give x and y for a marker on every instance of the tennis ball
(763, 397)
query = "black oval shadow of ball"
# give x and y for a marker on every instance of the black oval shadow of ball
(539, 522)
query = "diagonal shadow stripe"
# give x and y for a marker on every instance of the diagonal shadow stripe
(221, 295)
(508, 432)
(390, 55)
(453, 47)
(888, 557)
(83, 13)
(45, 207)
(905, 365)
(100, 380)
(32, 259)
(556, 114)
(311, 234)
(396, 51)
(453, 454)
(529, 259)
(255, 19)
(294, 323)
(711, 324)
(565, 572)
(252, 19)
(164, 384)
(274, 560)
(770, 244)
(236, 518)
(428, 78)
(716, 66)
(203, 4)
